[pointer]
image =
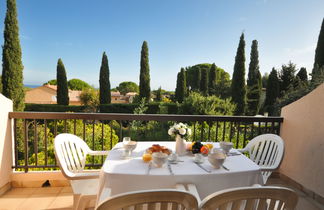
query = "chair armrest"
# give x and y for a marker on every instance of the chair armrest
(193, 190)
(242, 150)
(180, 187)
(91, 152)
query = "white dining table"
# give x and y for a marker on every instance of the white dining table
(121, 175)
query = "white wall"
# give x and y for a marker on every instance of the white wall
(303, 133)
(5, 141)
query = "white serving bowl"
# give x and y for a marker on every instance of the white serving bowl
(226, 146)
(159, 159)
(216, 159)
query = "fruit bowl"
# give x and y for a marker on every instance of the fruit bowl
(158, 148)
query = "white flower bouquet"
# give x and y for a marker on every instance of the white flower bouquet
(180, 129)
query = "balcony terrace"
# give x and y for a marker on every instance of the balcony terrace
(28, 169)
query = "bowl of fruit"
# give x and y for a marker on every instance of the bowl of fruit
(158, 159)
(158, 148)
(197, 147)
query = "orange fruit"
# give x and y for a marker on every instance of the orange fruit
(210, 146)
(147, 157)
(204, 150)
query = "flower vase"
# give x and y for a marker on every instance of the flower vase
(180, 147)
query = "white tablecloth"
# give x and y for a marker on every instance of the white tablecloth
(122, 175)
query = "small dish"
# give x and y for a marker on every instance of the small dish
(198, 158)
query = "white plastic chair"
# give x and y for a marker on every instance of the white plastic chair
(267, 151)
(71, 152)
(250, 198)
(163, 199)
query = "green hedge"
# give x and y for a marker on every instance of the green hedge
(117, 108)
(53, 108)
(153, 108)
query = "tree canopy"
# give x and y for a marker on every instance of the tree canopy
(51, 82)
(319, 52)
(12, 67)
(272, 93)
(193, 75)
(126, 87)
(181, 89)
(238, 88)
(254, 82)
(62, 87)
(77, 84)
(104, 82)
(144, 84)
(287, 77)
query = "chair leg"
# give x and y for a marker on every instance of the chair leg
(84, 200)
(76, 200)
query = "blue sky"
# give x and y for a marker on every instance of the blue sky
(179, 33)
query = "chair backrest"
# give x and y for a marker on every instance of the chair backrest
(71, 152)
(151, 199)
(267, 151)
(250, 198)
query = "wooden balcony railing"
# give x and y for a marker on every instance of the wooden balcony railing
(34, 132)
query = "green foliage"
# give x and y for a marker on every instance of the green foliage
(104, 82)
(197, 104)
(12, 67)
(96, 142)
(265, 80)
(144, 85)
(62, 87)
(223, 82)
(51, 82)
(238, 88)
(317, 73)
(273, 88)
(159, 94)
(273, 91)
(212, 79)
(77, 84)
(319, 52)
(198, 79)
(287, 77)
(181, 89)
(300, 90)
(90, 99)
(204, 82)
(254, 82)
(126, 87)
(302, 74)
(53, 108)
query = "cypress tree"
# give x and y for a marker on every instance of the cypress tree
(144, 84)
(12, 67)
(181, 89)
(212, 79)
(204, 82)
(254, 82)
(238, 88)
(272, 92)
(319, 52)
(302, 74)
(62, 91)
(104, 82)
